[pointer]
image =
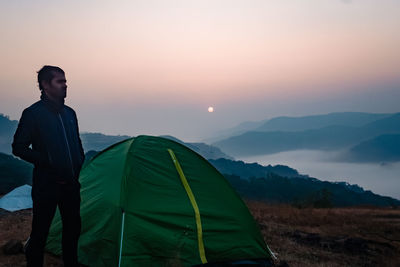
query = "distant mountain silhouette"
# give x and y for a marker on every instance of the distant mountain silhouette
(282, 184)
(207, 151)
(239, 129)
(99, 141)
(289, 124)
(384, 148)
(328, 138)
(13, 173)
(247, 170)
(7, 130)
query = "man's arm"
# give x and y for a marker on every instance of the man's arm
(23, 140)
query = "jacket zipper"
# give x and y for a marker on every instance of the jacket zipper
(66, 140)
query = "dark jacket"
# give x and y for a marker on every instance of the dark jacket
(51, 129)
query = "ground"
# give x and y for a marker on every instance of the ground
(362, 236)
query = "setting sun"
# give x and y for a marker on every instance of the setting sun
(210, 109)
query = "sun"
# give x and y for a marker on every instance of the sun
(210, 109)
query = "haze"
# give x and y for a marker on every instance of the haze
(380, 178)
(154, 67)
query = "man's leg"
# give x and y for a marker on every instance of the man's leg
(70, 215)
(44, 207)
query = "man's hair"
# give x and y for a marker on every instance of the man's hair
(46, 73)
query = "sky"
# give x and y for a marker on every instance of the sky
(155, 67)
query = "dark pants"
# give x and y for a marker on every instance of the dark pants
(45, 202)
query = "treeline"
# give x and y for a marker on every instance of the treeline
(306, 192)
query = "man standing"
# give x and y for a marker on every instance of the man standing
(48, 137)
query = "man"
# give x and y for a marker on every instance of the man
(48, 137)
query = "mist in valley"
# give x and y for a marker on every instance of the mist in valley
(380, 178)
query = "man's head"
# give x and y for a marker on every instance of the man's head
(52, 82)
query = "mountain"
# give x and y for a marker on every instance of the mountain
(7, 130)
(282, 184)
(328, 138)
(99, 141)
(207, 151)
(13, 173)
(239, 129)
(247, 170)
(383, 148)
(289, 124)
(307, 192)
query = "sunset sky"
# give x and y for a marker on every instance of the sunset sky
(154, 67)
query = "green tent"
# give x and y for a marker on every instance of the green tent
(150, 201)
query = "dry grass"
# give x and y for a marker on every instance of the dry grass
(299, 237)
(17, 225)
(330, 237)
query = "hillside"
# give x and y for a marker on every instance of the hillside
(384, 148)
(99, 141)
(282, 184)
(306, 192)
(351, 119)
(13, 173)
(295, 124)
(328, 138)
(206, 151)
(247, 170)
(7, 129)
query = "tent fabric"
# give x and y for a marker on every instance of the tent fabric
(137, 180)
(17, 199)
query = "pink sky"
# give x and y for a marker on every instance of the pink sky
(154, 67)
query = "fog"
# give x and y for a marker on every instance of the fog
(382, 179)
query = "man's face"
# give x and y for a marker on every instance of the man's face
(56, 89)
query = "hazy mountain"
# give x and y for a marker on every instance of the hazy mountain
(327, 138)
(7, 130)
(289, 124)
(239, 129)
(247, 170)
(390, 124)
(384, 148)
(207, 151)
(13, 173)
(99, 141)
(351, 119)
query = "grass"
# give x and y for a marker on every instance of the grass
(357, 236)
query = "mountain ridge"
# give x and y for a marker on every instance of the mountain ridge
(331, 137)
